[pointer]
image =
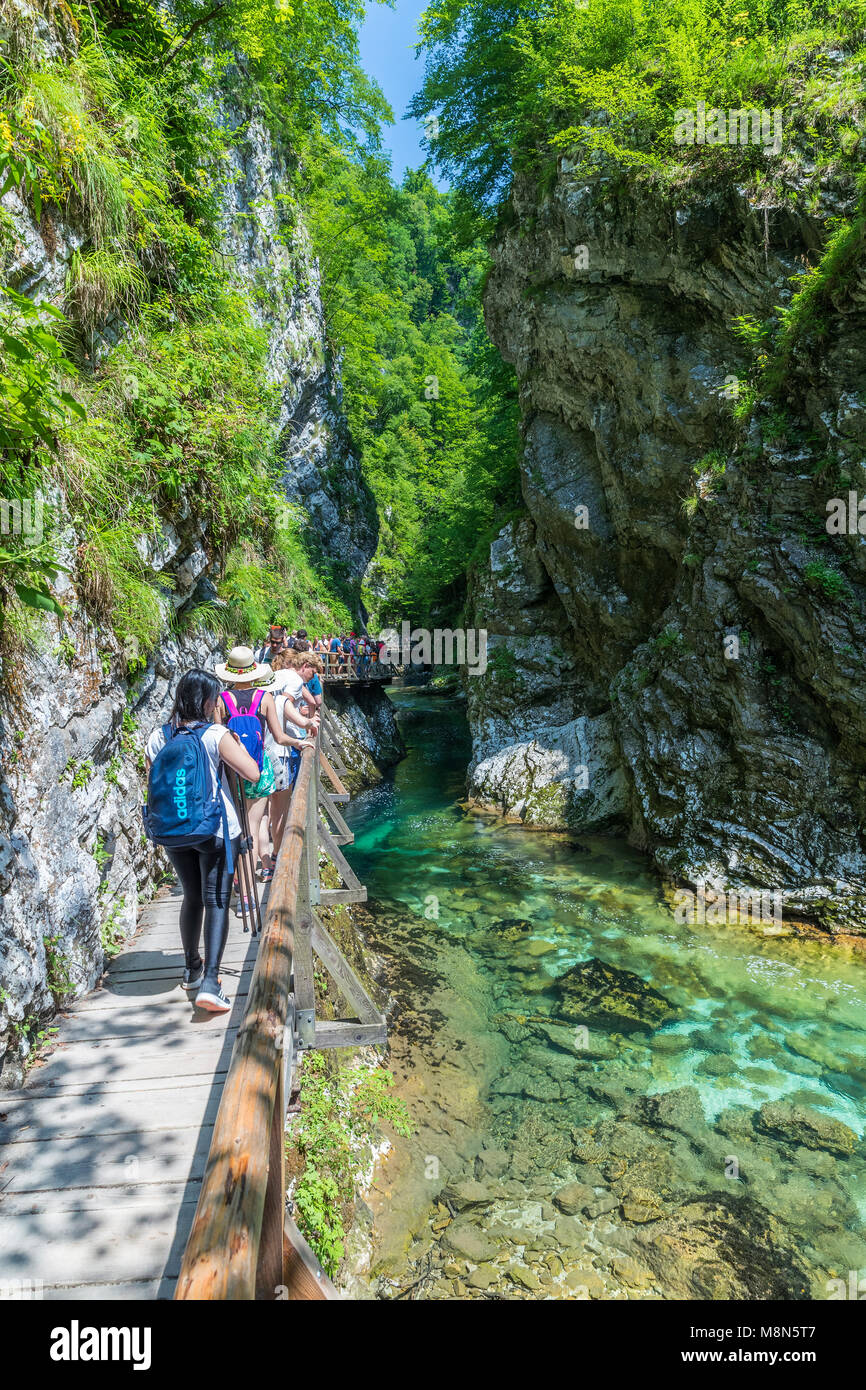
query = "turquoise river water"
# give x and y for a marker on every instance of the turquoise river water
(710, 1145)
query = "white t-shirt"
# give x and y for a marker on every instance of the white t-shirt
(279, 750)
(288, 682)
(211, 740)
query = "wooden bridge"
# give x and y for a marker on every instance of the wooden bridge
(146, 1157)
(342, 669)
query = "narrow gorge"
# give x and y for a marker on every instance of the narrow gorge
(586, 381)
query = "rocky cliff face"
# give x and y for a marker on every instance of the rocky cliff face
(369, 737)
(267, 241)
(676, 642)
(73, 860)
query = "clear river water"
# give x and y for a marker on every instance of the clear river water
(686, 1120)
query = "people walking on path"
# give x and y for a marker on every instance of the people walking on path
(204, 869)
(277, 642)
(246, 703)
(286, 760)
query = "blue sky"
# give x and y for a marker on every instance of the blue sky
(388, 38)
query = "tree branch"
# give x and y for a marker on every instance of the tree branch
(204, 19)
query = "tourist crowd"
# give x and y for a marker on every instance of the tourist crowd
(347, 655)
(220, 778)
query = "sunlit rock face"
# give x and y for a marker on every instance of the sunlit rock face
(74, 864)
(670, 652)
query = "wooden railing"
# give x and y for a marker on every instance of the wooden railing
(243, 1245)
(346, 666)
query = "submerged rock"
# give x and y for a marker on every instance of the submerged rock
(596, 992)
(722, 1247)
(798, 1124)
(466, 1192)
(680, 1110)
(573, 1197)
(464, 1238)
(512, 928)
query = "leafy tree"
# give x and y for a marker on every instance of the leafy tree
(431, 404)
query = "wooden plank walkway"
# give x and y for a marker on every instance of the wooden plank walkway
(351, 682)
(102, 1151)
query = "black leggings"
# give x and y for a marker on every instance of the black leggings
(207, 887)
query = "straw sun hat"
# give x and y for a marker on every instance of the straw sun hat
(241, 666)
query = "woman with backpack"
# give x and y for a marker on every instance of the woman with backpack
(190, 813)
(248, 710)
(286, 760)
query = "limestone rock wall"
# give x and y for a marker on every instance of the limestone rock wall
(368, 732)
(73, 860)
(657, 531)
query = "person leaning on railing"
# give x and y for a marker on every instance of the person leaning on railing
(314, 684)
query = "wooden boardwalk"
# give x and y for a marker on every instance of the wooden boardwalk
(145, 1157)
(102, 1152)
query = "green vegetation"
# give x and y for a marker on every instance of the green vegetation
(100, 853)
(79, 774)
(341, 1110)
(668, 638)
(826, 578)
(117, 135)
(503, 663)
(57, 970)
(513, 85)
(431, 405)
(111, 931)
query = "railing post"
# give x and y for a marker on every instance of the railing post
(307, 898)
(270, 1269)
(313, 830)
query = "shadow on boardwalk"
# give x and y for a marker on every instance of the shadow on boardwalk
(102, 1151)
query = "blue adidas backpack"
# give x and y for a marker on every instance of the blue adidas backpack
(181, 810)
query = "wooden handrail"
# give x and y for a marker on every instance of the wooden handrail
(235, 1248)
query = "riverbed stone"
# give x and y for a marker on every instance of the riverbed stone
(595, 991)
(813, 1049)
(539, 947)
(680, 1110)
(464, 1238)
(525, 1277)
(765, 1046)
(569, 1233)
(491, 1163)
(467, 1192)
(799, 1124)
(585, 1284)
(718, 1064)
(722, 1247)
(600, 1204)
(573, 1197)
(640, 1205)
(484, 1276)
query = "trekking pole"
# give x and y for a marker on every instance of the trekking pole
(240, 807)
(258, 923)
(254, 894)
(246, 870)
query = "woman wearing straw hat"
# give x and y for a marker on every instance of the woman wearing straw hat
(286, 761)
(248, 679)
